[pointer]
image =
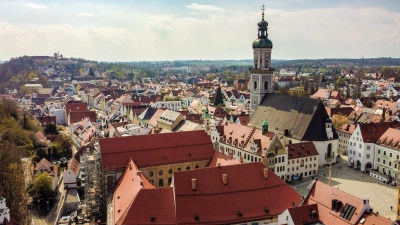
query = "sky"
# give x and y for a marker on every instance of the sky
(156, 30)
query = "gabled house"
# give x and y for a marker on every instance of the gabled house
(71, 173)
(362, 144)
(45, 166)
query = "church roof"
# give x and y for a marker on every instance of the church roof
(303, 117)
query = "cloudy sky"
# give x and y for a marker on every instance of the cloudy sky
(152, 30)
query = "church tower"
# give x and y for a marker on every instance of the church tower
(261, 73)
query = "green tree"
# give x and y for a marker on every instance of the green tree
(91, 72)
(51, 129)
(64, 145)
(32, 75)
(41, 189)
(23, 90)
(218, 98)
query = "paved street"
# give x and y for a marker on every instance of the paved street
(359, 184)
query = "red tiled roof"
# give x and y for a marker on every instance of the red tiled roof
(322, 194)
(78, 116)
(390, 139)
(301, 215)
(303, 149)
(126, 191)
(246, 191)
(74, 166)
(371, 132)
(49, 167)
(41, 136)
(223, 159)
(76, 107)
(374, 219)
(155, 117)
(156, 149)
(157, 203)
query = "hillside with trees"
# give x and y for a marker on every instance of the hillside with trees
(17, 141)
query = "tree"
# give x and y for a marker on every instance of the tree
(51, 129)
(64, 145)
(32, 75)
(275, 86)
(24, 90)
(41, 189)
(218, 98)
(283, 90)
(91, 72)
(338, 120)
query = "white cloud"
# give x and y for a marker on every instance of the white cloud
(86, 14)
(204, 8)
(35, 6)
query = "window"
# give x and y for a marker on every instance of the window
(359, 154)
(384, 161)
(255, 84)
(384, 152)
(169, 180)
(297, 168)
(390, 163)
(151, 174)
(379, 159)
(368, 147)
(179, 169)
(390, 154)
(306, 159)
(360, 146)
(288, 162)
(315, 158)
(160, 182)
(351, 152)
(188, 168)
(292, 168)
(160, 172)
(306, 166)
(367, 156)
(266, 85)
(283, 159)
(170, 171)
(197, 166)
(379, 151)
(315, 164)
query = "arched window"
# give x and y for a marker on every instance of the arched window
(266, 85)
(329, 153)
(255, 84)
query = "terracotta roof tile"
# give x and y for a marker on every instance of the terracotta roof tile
(156, 149)
(301, 215)
(323, 194)
(374, 219)
(246, 191)
(126, 191)
(223, 159)
(302, 149)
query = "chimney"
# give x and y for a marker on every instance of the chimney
(218, 164)
(230, 154)
(194, 184)
(366, 201)
(225, 178)
(139, 172)
(141, 183)
(241, 159)
(263, 159)
(266, 173)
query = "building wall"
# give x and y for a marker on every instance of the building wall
(307, 166)
(69, 179)
(343, 142)
(322, 148)
(60, 116)
(164, 172)
(285, 218)
(385, 161)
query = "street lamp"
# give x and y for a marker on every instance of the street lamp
(38, 204)
(47, 205)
